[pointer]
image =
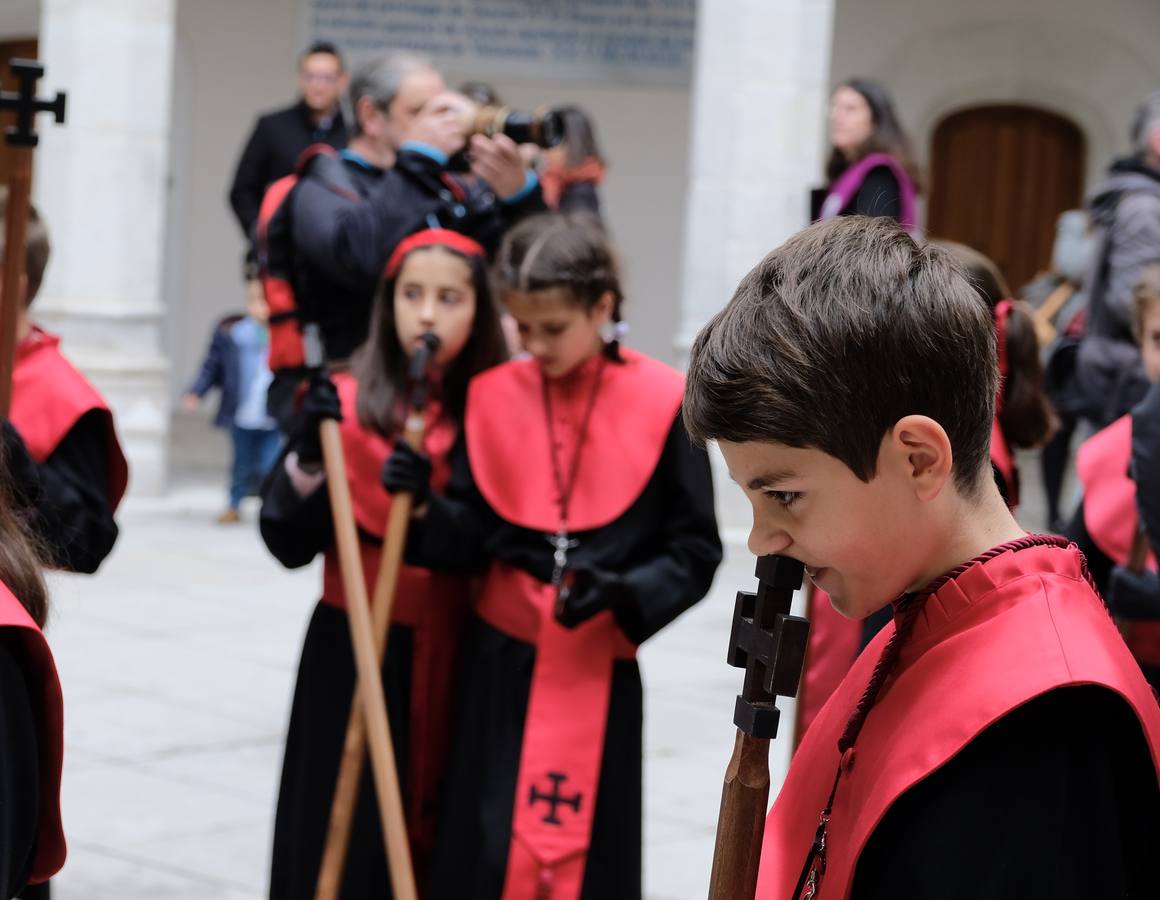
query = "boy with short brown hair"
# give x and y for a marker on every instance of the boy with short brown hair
(1005, 741)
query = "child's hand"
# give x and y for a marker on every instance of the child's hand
(190, 402)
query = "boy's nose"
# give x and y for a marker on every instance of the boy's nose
(767, 540)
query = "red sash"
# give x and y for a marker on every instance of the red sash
(1002, 633)
(49, 396)
(48, 708)
(509, 447)
(432, 604)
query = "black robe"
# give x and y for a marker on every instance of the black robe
(666, 545)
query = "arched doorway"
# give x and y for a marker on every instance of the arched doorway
(999, 177)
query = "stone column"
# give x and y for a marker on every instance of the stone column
(760, 86)
(101, 185)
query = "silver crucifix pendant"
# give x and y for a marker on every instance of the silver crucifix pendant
(561, 544)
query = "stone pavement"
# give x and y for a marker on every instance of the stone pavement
(178, 662)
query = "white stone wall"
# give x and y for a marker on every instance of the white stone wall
(101, 186)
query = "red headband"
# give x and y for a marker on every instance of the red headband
(432, 237)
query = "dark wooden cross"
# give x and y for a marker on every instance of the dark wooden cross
(770, 644)
(554, 798)
(26, 105)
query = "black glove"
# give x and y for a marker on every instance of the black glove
(407, 471)
(23, 474)
(320, 403)
(590, 591)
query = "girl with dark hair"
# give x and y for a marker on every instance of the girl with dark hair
(590, 518)
(435, 282)
(32, 846)
(872, 169)
(574, 169)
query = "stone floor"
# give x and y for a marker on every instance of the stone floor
(177, 662)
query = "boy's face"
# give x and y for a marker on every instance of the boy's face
(859, 541)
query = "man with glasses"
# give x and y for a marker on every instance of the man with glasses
(280, 137)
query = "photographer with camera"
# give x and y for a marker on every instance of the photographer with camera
(412, 164)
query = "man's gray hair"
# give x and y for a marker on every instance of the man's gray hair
(1147, 120)
(380, 79)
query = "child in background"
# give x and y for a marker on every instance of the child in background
(236, 364)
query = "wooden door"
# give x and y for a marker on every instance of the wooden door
(21, 49)
(1000, 175)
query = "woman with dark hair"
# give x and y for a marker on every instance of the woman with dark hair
(574, 169)
(436, 282)
(872, 169)
(32, 846)
(589, 517)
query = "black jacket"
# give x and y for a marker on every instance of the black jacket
(342, 247)
(275, 144)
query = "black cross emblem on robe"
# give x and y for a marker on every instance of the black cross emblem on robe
(26, 104)
(769, 644)
(554, 799)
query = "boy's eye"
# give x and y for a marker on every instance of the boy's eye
(784, 499)
(554, 330)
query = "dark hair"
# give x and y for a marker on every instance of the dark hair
(837, 334)
(325, 47)
(1025, 413)
(568, 252)
(380, 365)
(21, 554)
(37, 247)
(579, 136)
(888, 135)
(481, 92)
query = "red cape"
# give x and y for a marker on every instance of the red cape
(1004, 632)
(48, 707)
(49, 396)
(508, 442)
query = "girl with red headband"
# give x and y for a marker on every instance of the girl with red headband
(590, 517)
(435, 283)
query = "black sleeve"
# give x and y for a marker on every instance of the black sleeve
(879, 195)
(351, 241)
(19, 768)
(453, 536)
(1146, 462)
(295, 529)
(682, 572)
(1099, 564)
(1056, 800)
(251, 178)
(213, 366)
(66, 498)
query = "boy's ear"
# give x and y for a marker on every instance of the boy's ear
(922, 453)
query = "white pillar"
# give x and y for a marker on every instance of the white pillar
(101, 185)
(758, 138)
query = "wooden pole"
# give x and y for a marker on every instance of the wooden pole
(371, 694)
(15, 228)
(354, 747)
(744, 799)
(330, 875)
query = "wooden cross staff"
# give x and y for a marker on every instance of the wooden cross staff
(770, 645)
(22, 135)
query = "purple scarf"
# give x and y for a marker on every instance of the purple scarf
(848, 183)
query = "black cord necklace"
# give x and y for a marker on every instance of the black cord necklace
(560, 541)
